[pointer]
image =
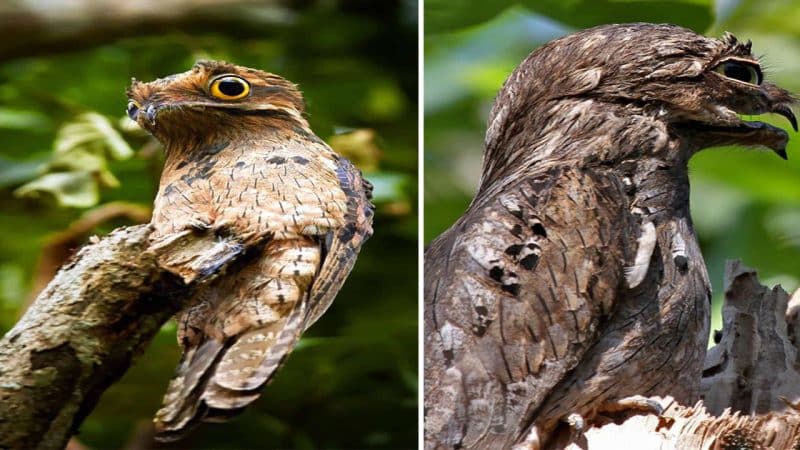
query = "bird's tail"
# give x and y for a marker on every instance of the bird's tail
(217, 380)
(238, 335)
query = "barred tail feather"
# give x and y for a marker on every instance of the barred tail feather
(217, 381)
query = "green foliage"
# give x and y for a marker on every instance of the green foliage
(350, 384)
(745, 203)
(447, 15)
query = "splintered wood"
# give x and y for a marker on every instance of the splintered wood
(750, 386)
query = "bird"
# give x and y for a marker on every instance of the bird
(255, 212)
(573, 287)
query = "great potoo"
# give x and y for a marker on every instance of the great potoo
(258, 214)
(574, 283)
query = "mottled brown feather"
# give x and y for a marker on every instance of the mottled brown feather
(574, 280)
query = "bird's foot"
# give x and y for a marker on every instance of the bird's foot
(636, 403)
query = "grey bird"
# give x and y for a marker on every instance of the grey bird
(574, 284)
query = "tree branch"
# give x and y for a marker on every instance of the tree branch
(33, 27)
(80, 336)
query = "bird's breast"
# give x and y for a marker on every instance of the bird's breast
(277, 191)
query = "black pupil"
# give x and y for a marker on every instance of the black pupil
(231, 88)
(738, 72)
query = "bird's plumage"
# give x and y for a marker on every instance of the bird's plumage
(257, 212)
(574, 280)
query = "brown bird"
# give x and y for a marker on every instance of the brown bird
(259, 214)
(574, 284)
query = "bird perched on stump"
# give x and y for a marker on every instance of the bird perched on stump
(256, 212)
(574, 284)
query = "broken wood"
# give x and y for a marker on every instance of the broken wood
(750, 382)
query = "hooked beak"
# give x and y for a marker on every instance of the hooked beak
(747, 133)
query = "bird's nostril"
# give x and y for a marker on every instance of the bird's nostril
(151, 112)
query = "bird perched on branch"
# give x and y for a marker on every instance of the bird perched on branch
(574, 284)
(259, 214)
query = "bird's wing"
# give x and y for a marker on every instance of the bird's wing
(341, 246)
(514, 293)
(248, 321)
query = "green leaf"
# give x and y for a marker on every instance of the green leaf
(19, 119)
(443, 16)
(88, 130)
(16, 172)
(449, 15)
(387, 186)
(72, 189)
(693, 14)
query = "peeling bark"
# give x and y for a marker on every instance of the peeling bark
(695, 428)
(80, 336)
(750, 385)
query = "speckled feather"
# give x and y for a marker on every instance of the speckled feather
(261, 214)
(574, 280)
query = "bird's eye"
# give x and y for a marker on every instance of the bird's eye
(230, 87)
(133, 109)
(739, 71)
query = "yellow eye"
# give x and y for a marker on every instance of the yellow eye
(230, 87)
(739, 71)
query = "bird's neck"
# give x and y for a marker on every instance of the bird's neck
(579, 132)
(256, 132)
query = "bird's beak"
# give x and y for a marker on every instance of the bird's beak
(752, 133)
(785, 111)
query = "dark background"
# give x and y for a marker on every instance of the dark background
(352, 382)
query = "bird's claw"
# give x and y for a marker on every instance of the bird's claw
(576, 423)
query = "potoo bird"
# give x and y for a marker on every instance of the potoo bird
(574, 285)
(255, 211)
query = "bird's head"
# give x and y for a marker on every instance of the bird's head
(213, 98)
(692, 87)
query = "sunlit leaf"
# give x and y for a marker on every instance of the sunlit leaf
(70, 189)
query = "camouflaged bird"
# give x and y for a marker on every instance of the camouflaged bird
(257, 212)
(574, 283)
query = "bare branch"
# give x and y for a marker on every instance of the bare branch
(80, 336)
(33, 27)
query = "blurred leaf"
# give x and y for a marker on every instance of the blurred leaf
(12, 285)
(359, 146)
(448, 15)
(70, 189)
(23, 119)
(387, 186)
(91, 130)
(384, 101)
(79, 165)
(442, 15)
(16, 172)
(693, 14)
